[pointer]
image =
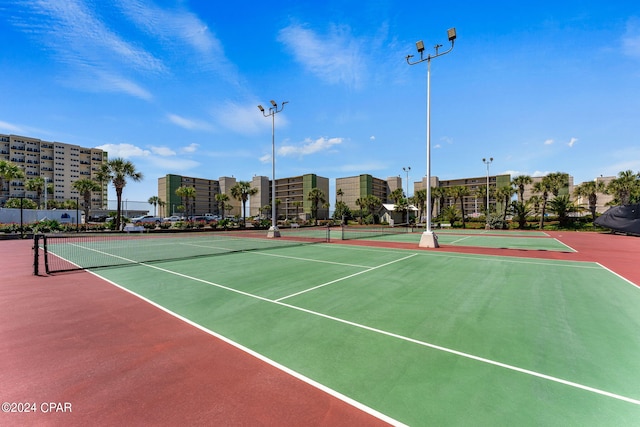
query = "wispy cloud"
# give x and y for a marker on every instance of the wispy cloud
(245, 119)
(9, 127)
(188, 124)
(183, 33)
(162, 151)
(572, 142)
(191, 148)
(75, 35)
(309, 147)
(631, 38)
(336, 57)
(548, 142)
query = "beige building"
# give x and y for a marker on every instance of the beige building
(291, 196)
(205, 200)
(58, 163)
(356, 187)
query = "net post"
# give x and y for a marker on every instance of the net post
(36, 258)
(46, 253)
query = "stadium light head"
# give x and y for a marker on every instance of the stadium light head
(420, 46)
(451, 33)
(261, 108)
(274, 103)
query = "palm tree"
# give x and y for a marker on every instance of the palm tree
(420, 198)
(154, 200)
(590, 190)
(222, 200)
(396, 195)
(439, 193)
(626, 185)
(339, 193)
(562, 206)
(9, 171)
(558, 181)
(543, 187)
(186, 192)
(505, 193)
(298, 204)
(85, 187)
(372, 203)
(459, 192)
(519, 182)
(36, 184)
(117, 171)
(241, 192)
(317, 199)
(520, 212)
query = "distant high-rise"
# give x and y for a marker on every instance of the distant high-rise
(57, 163)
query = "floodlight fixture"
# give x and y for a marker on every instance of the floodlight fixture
(420, 46)
(451, 33)
(274, 103)
(261, 108)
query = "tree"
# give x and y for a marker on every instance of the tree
(504, 194)
(402, 205)
(590, 190)
(154, 200)
(552, 183)
(9, 171)
(85, 187)
(439, 193)
(186, 192)
(542, 187)
(222, 200)
(36, 184)
(342, 211)
(339, 193)
(519, 182)
(450, 213)
(317, 199)
(459, 192)
(298, 204)
(520, 212)
(241, 192)
(420, 198)
(625, 188)
(117, 171)
(562, 206)
(396, 195)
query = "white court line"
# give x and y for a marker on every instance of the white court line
(401, 337)
(343, 278)
(309, 259)
(460, 240)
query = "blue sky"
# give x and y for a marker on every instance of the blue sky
(173, 86)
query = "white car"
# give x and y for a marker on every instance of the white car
(173, 218)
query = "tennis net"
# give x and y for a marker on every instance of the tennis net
(371, 232)
(67, 252)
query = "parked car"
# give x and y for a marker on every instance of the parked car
(146, 218)
(199, 218)
(173, 218)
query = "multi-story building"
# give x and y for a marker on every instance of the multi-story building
(291, 196)
(360, 186)
(57, 163)
(205, 199)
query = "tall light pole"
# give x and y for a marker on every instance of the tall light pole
(273, 110)
(487, 162)
(407, 169)
(429, 239)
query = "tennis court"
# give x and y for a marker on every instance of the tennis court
(411, 336)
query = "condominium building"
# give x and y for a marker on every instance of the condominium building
(360, 186)
(291, 196)
(476, 201)
(57, 163)
(205, 197)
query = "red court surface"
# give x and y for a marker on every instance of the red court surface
(79, 342)
(83, 344)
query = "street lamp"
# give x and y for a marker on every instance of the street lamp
(273, 230)
(407, 169)
(487, 162)
(429, 239)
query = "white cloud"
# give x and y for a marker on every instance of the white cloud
(372, 138)
(163, 151)
(191, 148)
(124, 150)
(548, 142)
(265, 159)
(188, 123)
(335, 58)
(310, 147)
(11, 128)
(572, 142)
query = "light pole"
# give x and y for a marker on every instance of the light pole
(487, 162)
(429, 239)
(273, 110)
(407, 169)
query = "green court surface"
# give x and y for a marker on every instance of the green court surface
(477, 238)
(425, 338)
